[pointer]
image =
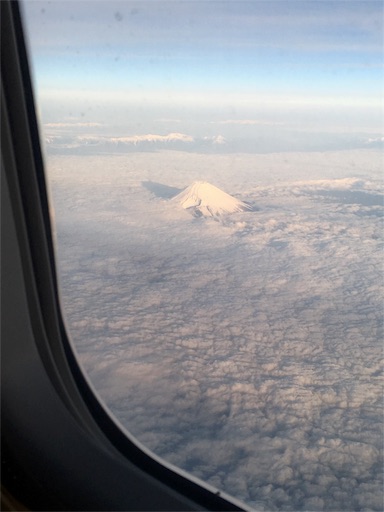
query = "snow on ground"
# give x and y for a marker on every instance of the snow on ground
(247, 351)
(203, 199)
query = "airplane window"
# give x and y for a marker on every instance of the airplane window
(215, 173)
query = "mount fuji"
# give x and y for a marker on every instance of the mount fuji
(206, 200)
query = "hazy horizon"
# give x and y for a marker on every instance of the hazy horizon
(276, 70)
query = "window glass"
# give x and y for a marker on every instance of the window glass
(215, 172)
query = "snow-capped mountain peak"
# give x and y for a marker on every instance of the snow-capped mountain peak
(204, 199)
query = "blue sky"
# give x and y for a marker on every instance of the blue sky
(265, 55)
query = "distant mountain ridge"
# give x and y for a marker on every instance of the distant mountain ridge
(85, 138)
(206, 200)
(72, 142)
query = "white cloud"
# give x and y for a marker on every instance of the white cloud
(247, 352)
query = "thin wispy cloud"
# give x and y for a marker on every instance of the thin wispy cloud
(213, 24)
(256, 45)
(246, 122)
(73, 125)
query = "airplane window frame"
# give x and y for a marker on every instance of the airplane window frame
(61, 449)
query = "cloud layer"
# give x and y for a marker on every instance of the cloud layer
(246, 351)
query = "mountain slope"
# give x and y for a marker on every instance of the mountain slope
(204, 199)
